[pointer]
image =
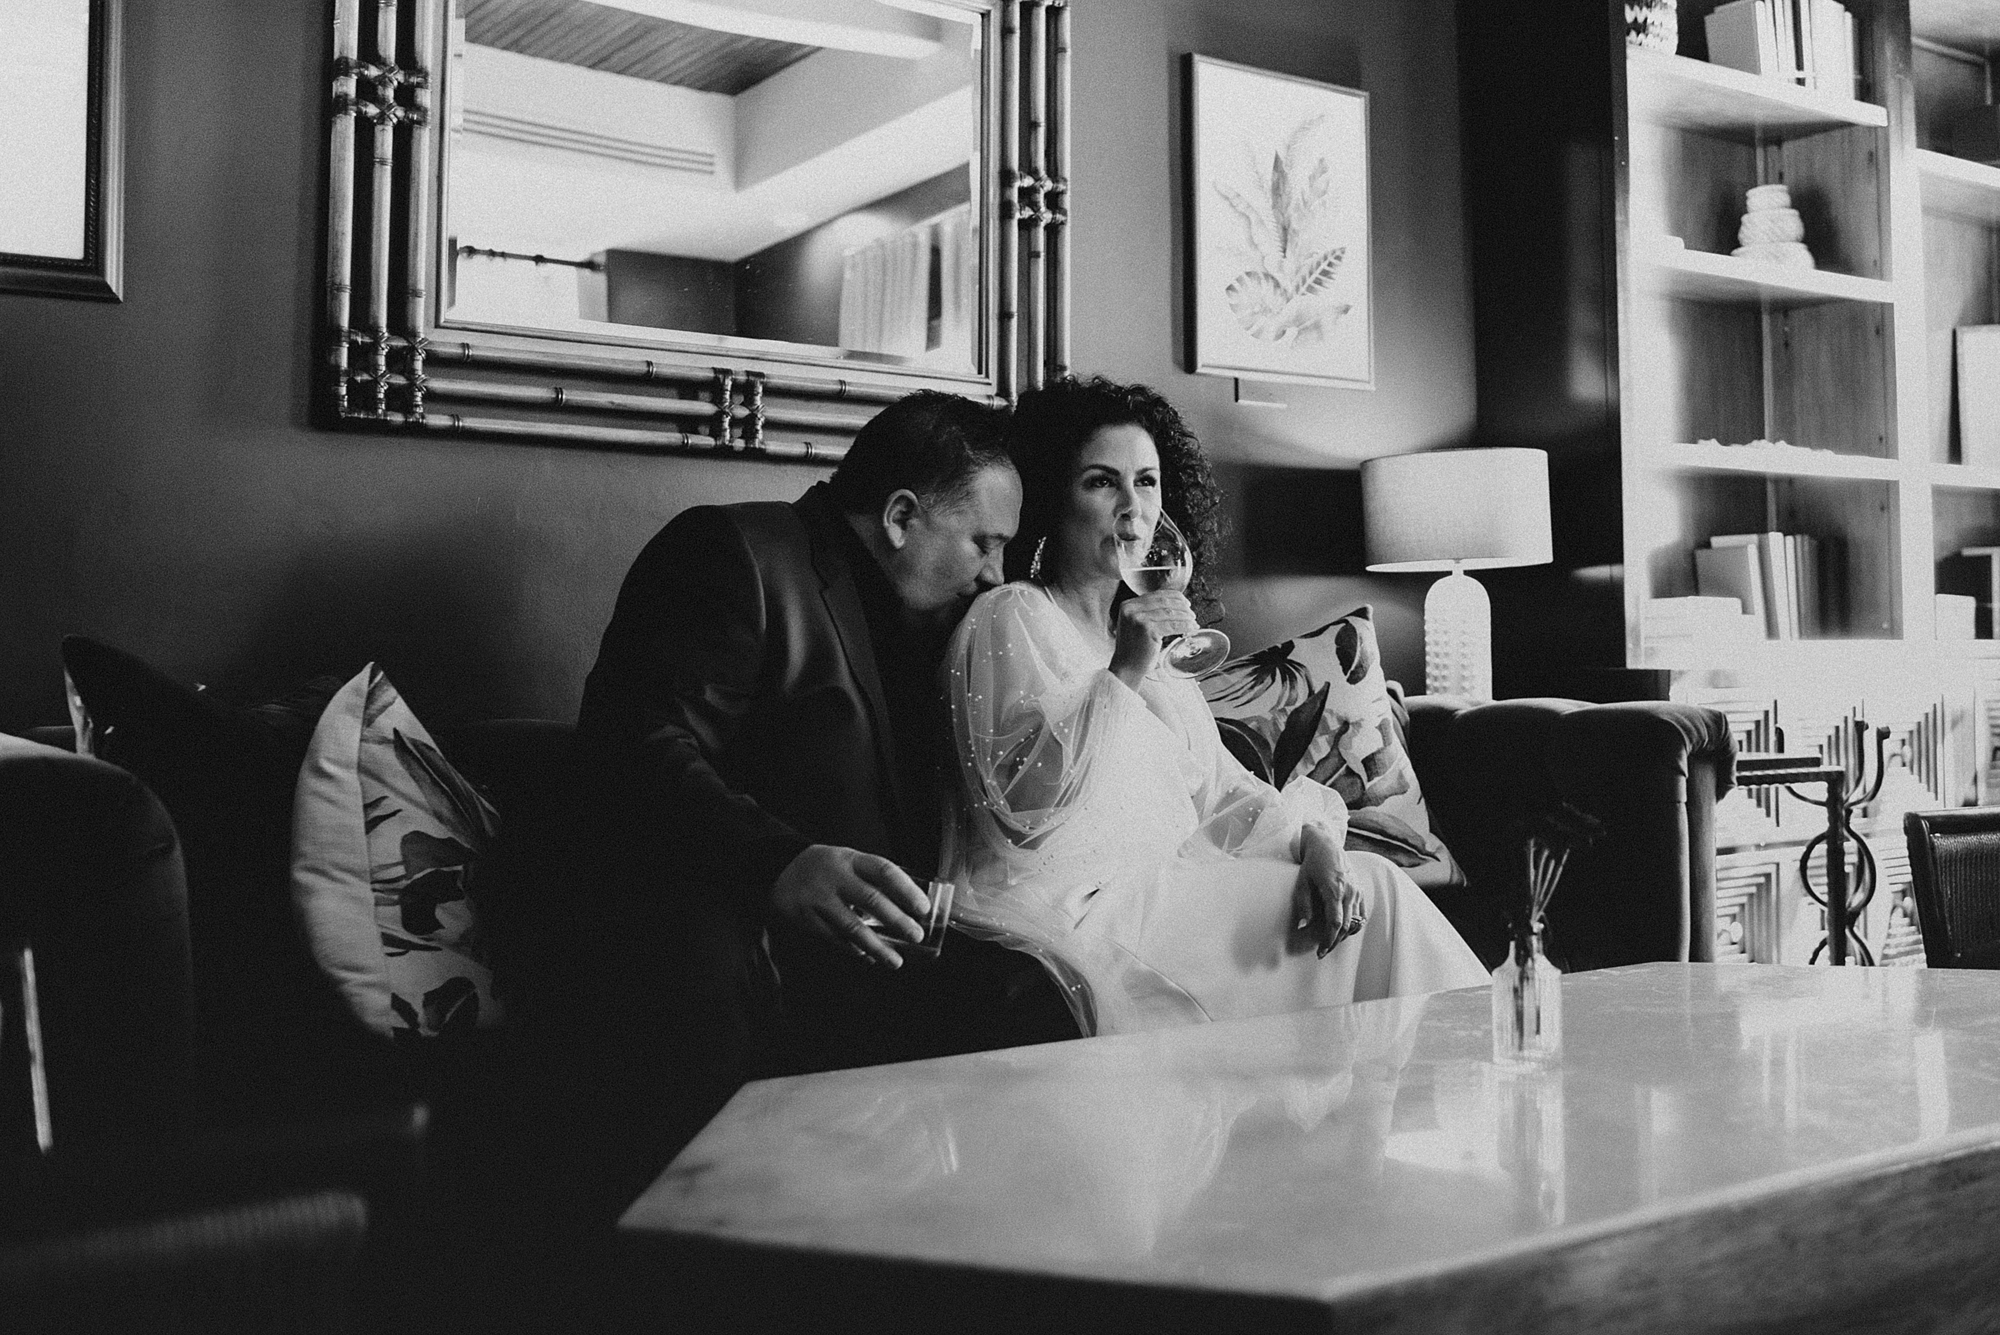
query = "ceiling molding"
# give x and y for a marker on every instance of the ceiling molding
(522, 130)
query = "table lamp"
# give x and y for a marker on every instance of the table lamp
(1457, 510)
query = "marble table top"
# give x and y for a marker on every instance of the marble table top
(1319, 1154)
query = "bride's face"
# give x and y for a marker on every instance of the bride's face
(1114, 497)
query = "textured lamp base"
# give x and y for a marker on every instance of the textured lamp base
(1458, 638)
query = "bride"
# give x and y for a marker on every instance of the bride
(1100, 823)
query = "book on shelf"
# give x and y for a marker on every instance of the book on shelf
(1797, 576)
(1802, 43)
(1832, 598)
(1978, 353)
(1804, 552)
(1768, 566)
(1743, 35)
(1783, 578)
(1732, 572)
(1833, 47)
(1788, 41)
(1851, 44)
(1809, 42)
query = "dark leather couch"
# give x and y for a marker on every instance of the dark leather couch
(89, 872)
(1651, 772)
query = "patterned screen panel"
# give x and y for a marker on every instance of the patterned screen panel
(1746, 913)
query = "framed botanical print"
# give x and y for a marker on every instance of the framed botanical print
(1279, 243)
(61, 152)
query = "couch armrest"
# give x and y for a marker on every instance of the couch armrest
(1651, 771)
(59, 735)
(91, 879)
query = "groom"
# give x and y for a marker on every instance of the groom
(765, 697)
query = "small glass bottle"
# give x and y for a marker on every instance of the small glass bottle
(1527, 1002)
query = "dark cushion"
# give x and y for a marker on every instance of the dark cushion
(225, 773)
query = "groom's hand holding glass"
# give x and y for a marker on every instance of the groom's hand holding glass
(846, 898)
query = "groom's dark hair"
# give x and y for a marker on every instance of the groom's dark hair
(931, 443)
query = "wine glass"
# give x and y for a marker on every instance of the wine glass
(1166, 562)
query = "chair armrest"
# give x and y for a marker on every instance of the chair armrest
(1652, 771)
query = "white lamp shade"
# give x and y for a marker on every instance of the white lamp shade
(1457, 509)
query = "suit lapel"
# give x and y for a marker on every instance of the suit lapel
(850, 623)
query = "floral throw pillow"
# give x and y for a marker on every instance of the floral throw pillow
(387, 839)
(1318, 705)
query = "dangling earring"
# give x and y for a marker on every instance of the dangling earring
(1035, 561)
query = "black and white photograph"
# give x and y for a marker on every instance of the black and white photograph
(997, 666)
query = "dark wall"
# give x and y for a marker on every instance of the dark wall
(1290, 471)
(160, 486)
(791, 291)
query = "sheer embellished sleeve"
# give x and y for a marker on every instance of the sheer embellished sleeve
(1068, 784)
(1041, 734)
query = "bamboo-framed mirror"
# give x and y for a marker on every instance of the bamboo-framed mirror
(722, 226)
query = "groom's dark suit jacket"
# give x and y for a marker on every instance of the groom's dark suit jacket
(738, 709)
(737, 692)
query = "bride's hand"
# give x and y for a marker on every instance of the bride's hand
(1326, 900)
(1144, 623)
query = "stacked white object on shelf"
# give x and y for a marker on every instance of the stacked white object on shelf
(1676, 628)
(1772, 230)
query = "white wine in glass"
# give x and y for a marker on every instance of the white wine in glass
(1166, 562)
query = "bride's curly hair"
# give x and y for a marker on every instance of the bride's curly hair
(1049, 428)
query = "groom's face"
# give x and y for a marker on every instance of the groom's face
(942, 556)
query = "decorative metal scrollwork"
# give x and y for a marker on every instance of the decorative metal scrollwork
(1861, 790)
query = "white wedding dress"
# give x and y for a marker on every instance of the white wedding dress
(1110, 833)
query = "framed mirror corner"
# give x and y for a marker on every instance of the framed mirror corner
(62, 149)
(722, 226)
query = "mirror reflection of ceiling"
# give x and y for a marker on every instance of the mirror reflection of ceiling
(711, 129)
(639, 46)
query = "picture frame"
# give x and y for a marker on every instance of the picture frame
(1280, 268)
(62, 149)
